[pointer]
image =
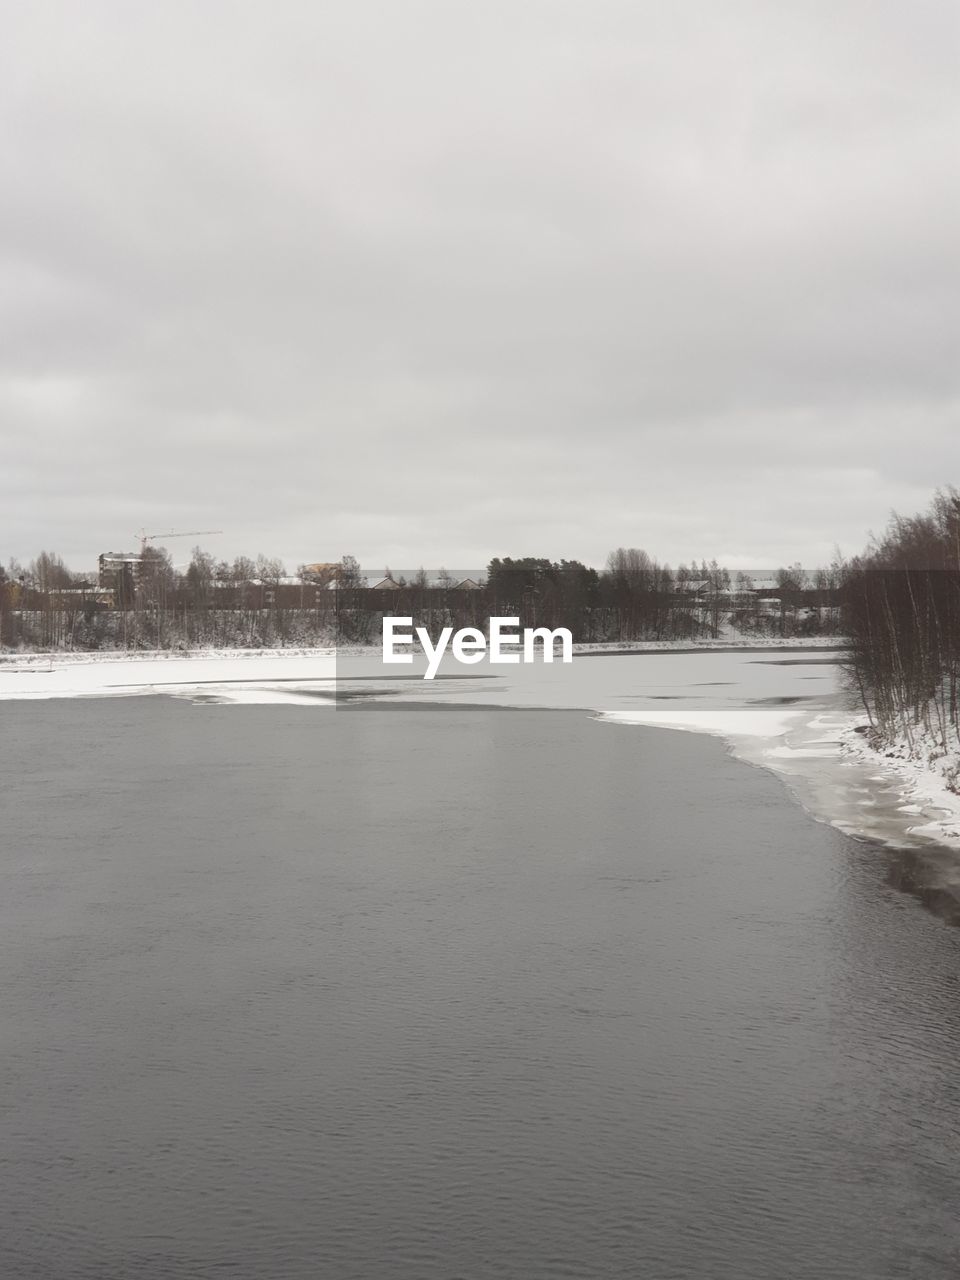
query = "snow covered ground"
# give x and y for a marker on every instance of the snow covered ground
(729, 640)
(235, 675)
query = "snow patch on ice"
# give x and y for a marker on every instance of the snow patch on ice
(727, 723)
(126, 675)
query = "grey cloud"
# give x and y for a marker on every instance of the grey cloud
(432, 281)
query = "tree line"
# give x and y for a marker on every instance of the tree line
(148, 603)
(901, 614)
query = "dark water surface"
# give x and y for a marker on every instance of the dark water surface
(294, 992)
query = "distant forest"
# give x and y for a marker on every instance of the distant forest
(146, 603)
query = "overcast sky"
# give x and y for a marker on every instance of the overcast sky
(427, 281)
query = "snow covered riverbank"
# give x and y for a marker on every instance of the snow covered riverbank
(240, 675)
(720, 645)
(927, 777)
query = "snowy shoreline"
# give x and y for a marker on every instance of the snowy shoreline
(927, 786)
(247, 674)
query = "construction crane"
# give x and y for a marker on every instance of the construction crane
(172, 533)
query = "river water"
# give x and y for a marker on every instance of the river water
(413, 992)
